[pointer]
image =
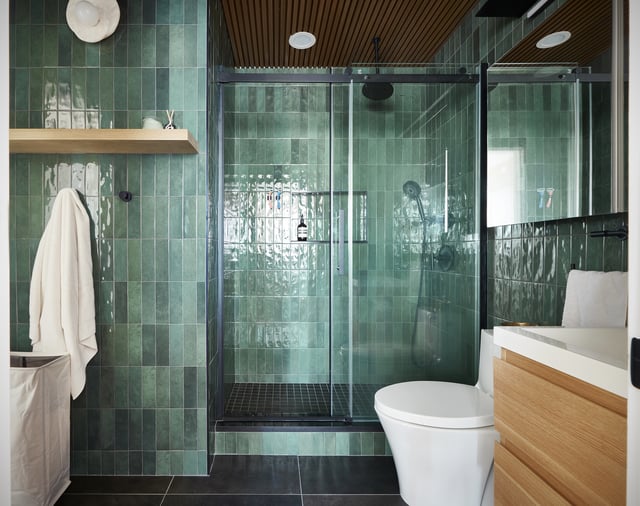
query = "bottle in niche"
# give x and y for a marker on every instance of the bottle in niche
(302, 230)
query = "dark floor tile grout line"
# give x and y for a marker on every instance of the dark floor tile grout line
(300, 480)
(166, 492)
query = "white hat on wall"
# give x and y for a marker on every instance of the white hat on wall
(93, 20)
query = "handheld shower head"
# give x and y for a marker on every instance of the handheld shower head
(412, 190)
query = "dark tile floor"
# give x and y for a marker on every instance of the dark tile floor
(251, 480)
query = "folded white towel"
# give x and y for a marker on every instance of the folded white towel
(61, 303)
(595, 299)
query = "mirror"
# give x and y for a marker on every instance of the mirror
(549, 125)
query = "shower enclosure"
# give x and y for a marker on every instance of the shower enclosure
(386, 286)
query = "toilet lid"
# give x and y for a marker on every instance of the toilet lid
(436, 404)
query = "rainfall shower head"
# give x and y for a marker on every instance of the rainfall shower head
(377, 90)
(412, 190)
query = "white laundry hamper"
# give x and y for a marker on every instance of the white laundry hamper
(40, 428)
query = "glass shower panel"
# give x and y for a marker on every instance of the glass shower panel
(415, 312)
(276, 288)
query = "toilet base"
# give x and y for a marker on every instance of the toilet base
(440, 466)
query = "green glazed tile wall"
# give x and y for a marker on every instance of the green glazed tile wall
(530, 262)
(302, 443)
(144, 408)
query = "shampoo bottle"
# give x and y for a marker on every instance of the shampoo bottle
(302, 230)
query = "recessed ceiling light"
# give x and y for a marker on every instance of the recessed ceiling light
(302, 40)
(553, 39)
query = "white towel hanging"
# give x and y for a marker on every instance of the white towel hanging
(61, 303)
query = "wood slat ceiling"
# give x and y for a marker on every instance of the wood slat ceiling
(589, 22)
(410, 31)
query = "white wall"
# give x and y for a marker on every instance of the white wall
(633, 406)
(5, 471)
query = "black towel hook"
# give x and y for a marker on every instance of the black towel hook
(125, 196)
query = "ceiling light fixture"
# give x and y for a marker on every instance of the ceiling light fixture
(302, 40)
(553, 40)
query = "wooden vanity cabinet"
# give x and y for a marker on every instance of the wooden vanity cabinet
(562, 441)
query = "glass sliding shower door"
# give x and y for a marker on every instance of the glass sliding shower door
(385, 288)
(276, 287)
(410, 165)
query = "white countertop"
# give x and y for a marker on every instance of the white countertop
(596, 356)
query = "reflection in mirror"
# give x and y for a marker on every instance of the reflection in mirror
(548, 143)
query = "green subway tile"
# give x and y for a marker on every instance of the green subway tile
(162, 302)
(36, 35)
(106, 80)
(22, 46)
(135, 386)
(177, 462)
(176, 428)
(202, 383)
(242, 443)
(134, 88)
(190, 345)
(163, 463)
(367, 442)
(228, 443)
(175, 305)
(135, 344)
(176, 88)
(342, 443)
(190, 303)
(134, 45)
(149, 460)
(121, 387)
(162, 12)
(162, 260)
(162, 344)
(148, 429)
(175, 260)
(149, 387)
(189, 260)
(162, 89)
(163, 387)
(176, 348)
(191, 464)
(148, 309)
(134, 259)
(120, 95)
(120, 339)
(148, 42)
(355, 443)
(190, 394)
(379, 443)
(148, 90)
(120, 262)
(148, 345)
(176, 13)
(202, 432)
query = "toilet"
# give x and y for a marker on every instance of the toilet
(442, 436)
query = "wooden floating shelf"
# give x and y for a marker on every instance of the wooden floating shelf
(97, 141)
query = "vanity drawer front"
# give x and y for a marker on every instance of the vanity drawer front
(515, 483)
(574, 444)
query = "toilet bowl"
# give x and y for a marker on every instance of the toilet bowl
(441, 435)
